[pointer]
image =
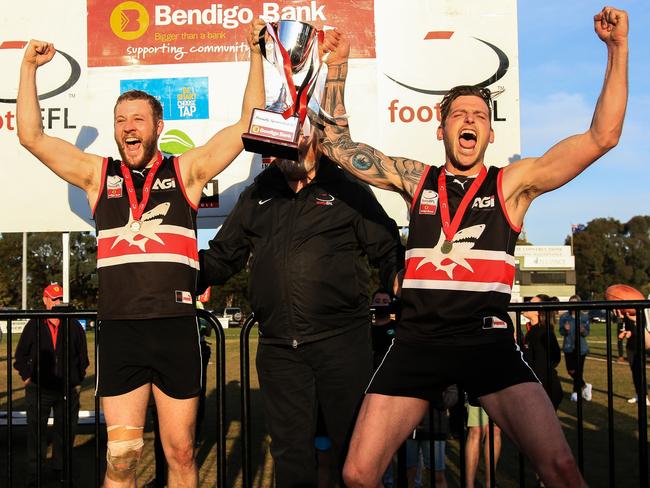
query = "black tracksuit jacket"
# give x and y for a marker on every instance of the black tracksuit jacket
(51, 362)
(308, 269)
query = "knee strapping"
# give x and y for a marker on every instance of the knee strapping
(123, 451)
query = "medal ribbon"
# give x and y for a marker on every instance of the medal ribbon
(137, 209)
(448, 228)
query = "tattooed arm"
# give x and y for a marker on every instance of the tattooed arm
(363, 161)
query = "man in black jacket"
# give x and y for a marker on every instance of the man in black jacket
(41, 364)
(308, 229)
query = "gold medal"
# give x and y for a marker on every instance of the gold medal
(447, 246)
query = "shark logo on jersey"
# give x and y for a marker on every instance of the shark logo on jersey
(462, 245)
(149, 225)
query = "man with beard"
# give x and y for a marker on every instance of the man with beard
(145, 211)
(465, 219)
(308, 229)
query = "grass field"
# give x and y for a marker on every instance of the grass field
(596, 461)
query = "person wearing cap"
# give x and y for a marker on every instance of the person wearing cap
(40, 362)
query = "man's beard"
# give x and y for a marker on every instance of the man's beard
(292, 170)
(150, 149)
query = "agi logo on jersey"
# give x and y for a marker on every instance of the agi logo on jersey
(129, 20)
(483, 202)
(164, 184)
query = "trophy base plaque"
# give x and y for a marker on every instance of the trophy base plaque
(269, 133)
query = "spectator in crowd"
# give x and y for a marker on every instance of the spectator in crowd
(628, 332)
(383, 324)
(542, 351)
(575, 362)
(434, 429)
(478, 434)
(40, 362)
(620, 341)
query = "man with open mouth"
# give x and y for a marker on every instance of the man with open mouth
(454, 326)
(145, 209)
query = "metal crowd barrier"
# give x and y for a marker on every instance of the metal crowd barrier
(543, 307)
(66, 316)
(247, 478)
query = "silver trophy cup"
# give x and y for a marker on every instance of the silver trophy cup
(279, 130)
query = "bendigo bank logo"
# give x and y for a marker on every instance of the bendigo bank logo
(129, 20)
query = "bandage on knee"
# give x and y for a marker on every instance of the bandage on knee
(123, 451)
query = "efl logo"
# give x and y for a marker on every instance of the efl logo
(129, 20)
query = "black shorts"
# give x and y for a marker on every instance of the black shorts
(165, 352)
(423, 370)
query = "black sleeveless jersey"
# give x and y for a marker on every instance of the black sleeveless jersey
(459, 296)
(150, 270)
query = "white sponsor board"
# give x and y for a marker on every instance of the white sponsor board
(38, 199)
(568, 262)
(543, 251)
(17, 326)
(422, 48)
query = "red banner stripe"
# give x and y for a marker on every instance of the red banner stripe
(13, 44)
(173, 244)
(438, 35)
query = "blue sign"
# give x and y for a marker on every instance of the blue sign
(181, 98)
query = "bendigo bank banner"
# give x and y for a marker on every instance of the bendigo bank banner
(149, 32)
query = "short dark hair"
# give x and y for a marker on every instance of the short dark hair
(156, 107)
(464, 90)
(380, 290)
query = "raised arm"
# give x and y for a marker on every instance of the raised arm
(65, 159)
(203, 163)
(529, 178)
(363, 161)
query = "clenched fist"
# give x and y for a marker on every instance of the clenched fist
(335, 49)
(611, 25)
(254, 35)
(39, 53)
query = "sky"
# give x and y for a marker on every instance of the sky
(562, 62)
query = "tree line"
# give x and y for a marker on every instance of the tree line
(609, 252)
